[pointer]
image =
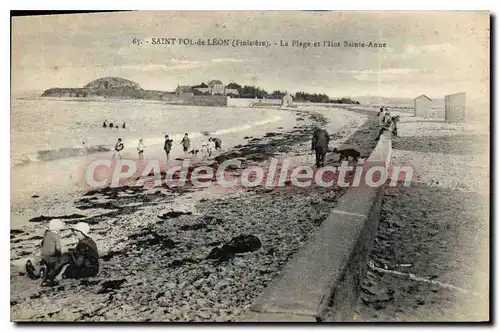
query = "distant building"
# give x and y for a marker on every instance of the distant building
(216, 87)
(454, 107)
(286, 100)
(232, 92)
(183, 90)
(423, 106)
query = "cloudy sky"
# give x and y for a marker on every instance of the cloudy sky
(435, 53)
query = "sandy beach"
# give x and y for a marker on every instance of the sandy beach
(431, 263)
(156, 243)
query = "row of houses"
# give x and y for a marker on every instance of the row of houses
(215, 87)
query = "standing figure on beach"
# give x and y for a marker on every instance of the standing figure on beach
(140, 149)
(217, 142)
(211, 147)
(118, 147)
(105, 123)
(123, 125)
(381, 115)
(319, 145)
(167, 146)
(185, 143)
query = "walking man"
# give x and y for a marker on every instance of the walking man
(320, 141)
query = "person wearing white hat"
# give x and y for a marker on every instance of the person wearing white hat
(51, 250)
(84, 259)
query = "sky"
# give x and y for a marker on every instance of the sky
(432, 53)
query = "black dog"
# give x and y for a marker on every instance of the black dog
(346, 153)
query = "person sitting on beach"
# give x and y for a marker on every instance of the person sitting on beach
(83, 260)
(50, 253)
(118, 147)
(186, 144)
(167, 146)
(51, 250)
(140, 149)
(105, 123)
(111, 125)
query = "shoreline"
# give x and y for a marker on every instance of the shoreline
(196, 222)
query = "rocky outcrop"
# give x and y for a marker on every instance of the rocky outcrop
(106, 83)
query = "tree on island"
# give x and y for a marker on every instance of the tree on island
(251, 92)
(202, 85)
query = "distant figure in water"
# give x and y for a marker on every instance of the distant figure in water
(167, 146)
(105, 123)
(185, 143)
(118, 147)
(140, 149)
(123, 125)
(111, 125)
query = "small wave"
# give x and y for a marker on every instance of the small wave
(47, 155)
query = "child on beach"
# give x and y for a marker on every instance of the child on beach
(185, 143)
(140, 149)
(50, 254)
(118, 147)
(167, 146)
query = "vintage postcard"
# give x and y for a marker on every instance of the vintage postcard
(250, 166)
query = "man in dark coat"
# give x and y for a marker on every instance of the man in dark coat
(320, 141)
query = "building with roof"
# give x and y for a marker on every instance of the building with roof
(216, 87)
(422, 106)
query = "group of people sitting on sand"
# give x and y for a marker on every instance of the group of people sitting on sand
(54, 262)
(107, 124)
(208, 148)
